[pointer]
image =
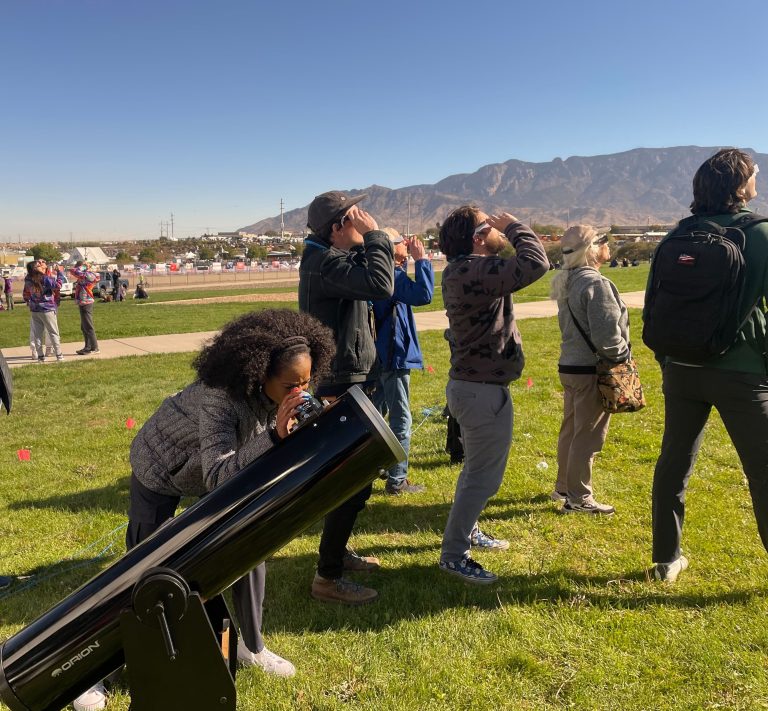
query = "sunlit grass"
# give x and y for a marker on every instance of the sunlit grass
(573, 623)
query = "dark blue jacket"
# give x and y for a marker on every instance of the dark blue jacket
(401, 350)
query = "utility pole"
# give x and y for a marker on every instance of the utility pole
(171, 225)
(408, 224)
(282, 223)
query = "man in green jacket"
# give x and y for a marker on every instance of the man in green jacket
(735, 382)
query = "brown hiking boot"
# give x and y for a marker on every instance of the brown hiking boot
(342, 591)
(360, 563)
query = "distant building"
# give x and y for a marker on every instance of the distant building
(95, 255)
(636, 230)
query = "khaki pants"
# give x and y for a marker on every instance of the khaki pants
(582, 434)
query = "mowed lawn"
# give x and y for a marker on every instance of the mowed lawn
(132, 318)
(573, 623)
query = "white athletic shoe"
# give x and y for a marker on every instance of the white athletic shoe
(668, 572)
(92, 700)
(268, 662)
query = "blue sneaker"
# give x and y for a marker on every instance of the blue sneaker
(478, 539)
(469, 570)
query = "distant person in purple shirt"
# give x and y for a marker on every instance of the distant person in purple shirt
(85, 281)
(8, 291)
(41, 295)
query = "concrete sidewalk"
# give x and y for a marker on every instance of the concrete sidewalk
(186, 342)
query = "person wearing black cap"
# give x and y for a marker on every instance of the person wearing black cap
(347, 264)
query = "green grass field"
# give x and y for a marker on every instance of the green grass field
(128, 318)
(629, 279)
(574, 622)
(131, 318)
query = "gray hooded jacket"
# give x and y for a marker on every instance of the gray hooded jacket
(597, 306)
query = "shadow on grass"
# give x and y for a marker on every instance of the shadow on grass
(35, 591)
(384, 513)
(406, 593)
(107, 498)
(423, 590)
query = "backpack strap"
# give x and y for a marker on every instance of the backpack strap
(746, 221)
(742, 224)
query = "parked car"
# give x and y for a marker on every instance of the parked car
(105, 286)
(67, 288)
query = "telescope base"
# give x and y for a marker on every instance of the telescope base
(196, 677)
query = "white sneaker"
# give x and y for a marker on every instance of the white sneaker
(268, 662)
(590, 506)
(668, 572)
(92, 700)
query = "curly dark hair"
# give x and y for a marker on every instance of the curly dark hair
(256, 346)
(457, 231)
(719, 181)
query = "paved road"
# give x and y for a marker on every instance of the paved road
(185, 342)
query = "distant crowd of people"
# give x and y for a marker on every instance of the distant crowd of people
(42, 295)
(355, 326)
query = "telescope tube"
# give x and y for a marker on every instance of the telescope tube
(211, 544)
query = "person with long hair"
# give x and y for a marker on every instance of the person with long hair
(590, 314)
(41, 296)
(250, 380)
(734, 382)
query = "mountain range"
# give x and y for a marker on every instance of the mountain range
(637, 187)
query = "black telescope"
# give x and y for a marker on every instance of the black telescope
(210, 545)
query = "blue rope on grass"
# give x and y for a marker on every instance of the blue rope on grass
(36, 580)
(427, 412)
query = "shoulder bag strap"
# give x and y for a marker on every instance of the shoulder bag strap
(582, 331)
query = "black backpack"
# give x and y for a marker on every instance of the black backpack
(693, 305)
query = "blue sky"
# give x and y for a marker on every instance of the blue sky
(115, 114)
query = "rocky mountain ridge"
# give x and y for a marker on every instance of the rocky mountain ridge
(641, 186)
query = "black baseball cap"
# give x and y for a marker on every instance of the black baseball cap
(326, 207)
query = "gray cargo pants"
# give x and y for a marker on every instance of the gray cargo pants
(484, 412)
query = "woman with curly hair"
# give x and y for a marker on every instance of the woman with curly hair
(250, 380)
